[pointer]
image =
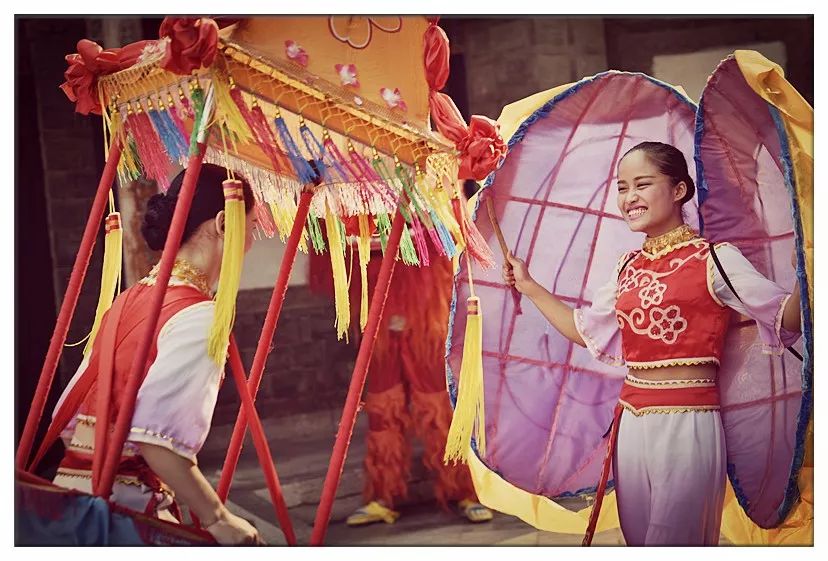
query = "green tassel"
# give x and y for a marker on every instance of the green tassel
(407, 251)
(315, 231)
(383, 228)
(197, 98)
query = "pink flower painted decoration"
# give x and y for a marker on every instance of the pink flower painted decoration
(393, 98)
(296, 53)
(347, 74)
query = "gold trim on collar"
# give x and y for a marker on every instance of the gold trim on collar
(665, 243)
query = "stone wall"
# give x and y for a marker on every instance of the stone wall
(507, 59)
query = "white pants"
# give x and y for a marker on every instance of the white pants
(670, 474)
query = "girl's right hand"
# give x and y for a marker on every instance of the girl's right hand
(230, 529)
(516, 274)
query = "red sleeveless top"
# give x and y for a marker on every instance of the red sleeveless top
(667, 311)
(112, 353)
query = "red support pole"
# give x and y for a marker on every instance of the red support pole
(277, 298)
(261, 445)
(139, 362)
(67, 308)
(366, 348)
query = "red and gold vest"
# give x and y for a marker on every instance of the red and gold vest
(666, 308)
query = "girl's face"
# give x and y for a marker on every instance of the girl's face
(646, 197)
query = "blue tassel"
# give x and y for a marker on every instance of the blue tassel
(300, 164)
(174, 133)
(317, 152)
(445, 236)
(173, 144)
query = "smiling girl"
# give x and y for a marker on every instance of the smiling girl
(664, 314)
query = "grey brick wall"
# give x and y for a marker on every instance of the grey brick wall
(307, 369)
(71, 154)
(507, 59)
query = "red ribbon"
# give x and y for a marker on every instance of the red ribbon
(436, 57)
(480, 144)
(193, 43)
(88, 64)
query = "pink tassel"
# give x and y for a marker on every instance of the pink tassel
(155, 162)
(373, 179)
(261, 131)
(344, 167)
(419, 240)
(265, 219)
(179, 124)
(436, 241)
(186, 107)
(269, 143)
(476, 244)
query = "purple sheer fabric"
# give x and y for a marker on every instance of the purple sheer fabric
(748, 205)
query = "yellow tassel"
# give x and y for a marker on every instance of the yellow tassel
(469, 415)
(364, 246)
(336, 248)
(231, 267)
(113, 251)
(228, 112)
(284, 213)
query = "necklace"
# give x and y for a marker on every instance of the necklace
(666, 242)
(184, 272)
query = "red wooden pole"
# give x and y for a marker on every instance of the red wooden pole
(261, 445)
(366, 348)
(139, 362)
(277, 298)
(67, 308)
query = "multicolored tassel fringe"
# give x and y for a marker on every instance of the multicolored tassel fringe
(153, 159)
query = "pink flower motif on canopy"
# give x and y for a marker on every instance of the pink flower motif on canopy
(296, 53)
(347, 74)
(393, 98)
(358, 30)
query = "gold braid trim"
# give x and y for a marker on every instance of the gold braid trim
(673, 362)
(669, 384)
(668, 409)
